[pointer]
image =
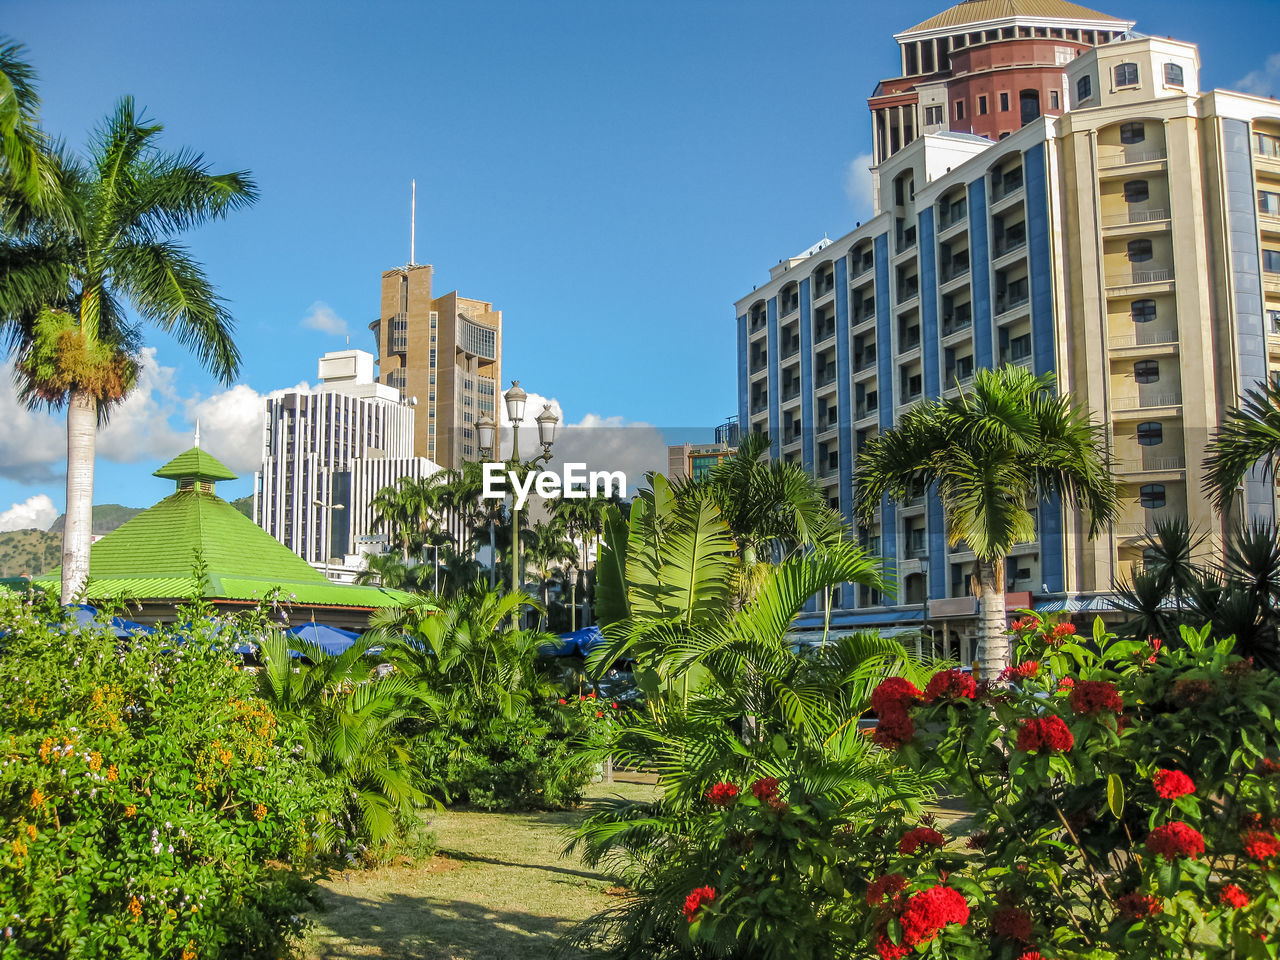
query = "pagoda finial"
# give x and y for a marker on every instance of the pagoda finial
(196, 444)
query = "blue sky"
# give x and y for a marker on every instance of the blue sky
(612, 176)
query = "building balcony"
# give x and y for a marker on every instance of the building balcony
(864, 412)
(863, 361)
(823, 288)
(953, 271)
(1152, 465)
(1132, 529)
(788, 306)
(1147, 401)
(862, 268)
(1128, 158)
(1011, 304)
(1136, 216)
(824, 378)
(1137, 278)
(861, 317)
(1144, 338)
(1008, 245)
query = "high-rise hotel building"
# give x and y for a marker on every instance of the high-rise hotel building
(1054, 190)
(444, 355)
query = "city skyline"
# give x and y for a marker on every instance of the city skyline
(561, 232)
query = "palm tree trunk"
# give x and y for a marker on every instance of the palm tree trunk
(993, 641)
(77, 534)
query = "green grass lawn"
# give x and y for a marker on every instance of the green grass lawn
(498, 889)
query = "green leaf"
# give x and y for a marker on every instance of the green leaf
(1115, 795)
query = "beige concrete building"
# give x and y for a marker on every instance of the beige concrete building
(1129, 246)
(444, 354)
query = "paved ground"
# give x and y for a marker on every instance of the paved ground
(499, 889)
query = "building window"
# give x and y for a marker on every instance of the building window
(1084, 88)
(1151, 495)
(1143, 311)
(959, 109)
(932, 115)
(1126, 75)
(1054, 102)
(1132, 133)
(1147, 371)
(1266, 145)
(1173, 74)
(1273, 321)
(1269, 203)
(982, 105)
(1151, 433)
(1030, 105)
(1139, 251)
(1271, 261)
(1136, 191)
(1004, 102)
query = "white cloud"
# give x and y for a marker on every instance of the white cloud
(858, 185)
(1264, 82)
(155, 422)
(602, 443)
(35, 512)
(320, 316)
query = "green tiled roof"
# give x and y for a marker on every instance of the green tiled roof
(196, 464)
(152, 556)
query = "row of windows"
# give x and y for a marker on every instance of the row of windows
(1126, 75)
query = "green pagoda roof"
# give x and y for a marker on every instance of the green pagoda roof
(154, 555)
(195, 464)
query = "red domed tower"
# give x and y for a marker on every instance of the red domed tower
(985, 67)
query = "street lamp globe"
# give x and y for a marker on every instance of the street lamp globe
(547, 422)
(484, 429)
(515, 400)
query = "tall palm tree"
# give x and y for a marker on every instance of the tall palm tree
(547, 547)
(1249, 436)
(384, 570)
(991, 453)
(112, 242)
(583, 518)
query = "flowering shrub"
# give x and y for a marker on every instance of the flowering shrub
(143, 790)
(1125, 800)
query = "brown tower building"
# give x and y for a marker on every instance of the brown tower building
(443, 352)
(986, 67)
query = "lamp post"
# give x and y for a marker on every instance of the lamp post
(328, 506)
(515, 400)
(486, 431)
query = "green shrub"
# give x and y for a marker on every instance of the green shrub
(149, 803)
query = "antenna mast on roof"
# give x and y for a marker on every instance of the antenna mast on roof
(413, 218)
(197, 438)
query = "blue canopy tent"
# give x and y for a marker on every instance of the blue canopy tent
(332, 640)
(87, 616)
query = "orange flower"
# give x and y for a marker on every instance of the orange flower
(112, 774)
(260, 811)
(131, 811)
(19, 848)
(189, 951)
(32, 832)
(135, 908)
(37, 798)
(225, 757)
(95, 761)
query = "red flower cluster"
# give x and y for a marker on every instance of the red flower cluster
(1012, 923)
(950, 685)
(1156, 644)
(928, 911)
(695, 900)
(562, 700)
(913, 840)
(890, 700)
(766, 788)
(1066, 683)
(889, 950)
(890, 885)
(1171, 784)
(1171, 840)
(1044, 734)
(1233, 896)
(1267, 767)
(1026, 623)
(1139, 905)
(1031, 955)
(1022, 670)
(1260, 845)
(1058, 635)
(1092, 697)
(722, 794)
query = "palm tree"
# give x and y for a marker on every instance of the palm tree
(384, 570)
(584, 520)
(1249, 436)
(112, 241)
(545, 547)
(991, 453)
(395, 510)
(31, 168)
